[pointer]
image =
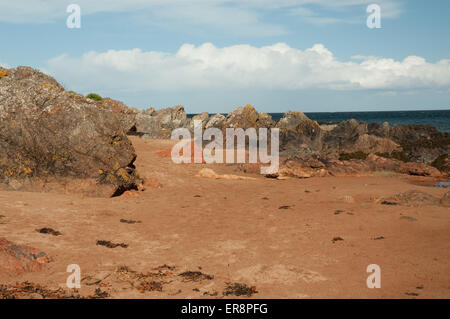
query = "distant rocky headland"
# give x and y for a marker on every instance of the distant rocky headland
(55, 140)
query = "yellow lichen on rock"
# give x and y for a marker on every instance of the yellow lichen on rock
(4, 73)
(123, 174)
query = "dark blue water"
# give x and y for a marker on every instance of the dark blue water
(440, 119)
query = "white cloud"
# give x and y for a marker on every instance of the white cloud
(243, 66)
(312, 11)
(225, 15)
(248, 14)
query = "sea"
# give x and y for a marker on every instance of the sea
(440, 119)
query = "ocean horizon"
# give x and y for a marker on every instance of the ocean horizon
(438, 118)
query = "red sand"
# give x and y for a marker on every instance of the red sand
(234, 230)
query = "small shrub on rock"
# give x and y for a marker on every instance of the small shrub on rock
(94, 96)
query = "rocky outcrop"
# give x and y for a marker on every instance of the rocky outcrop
(300, 135)
(349, 142)
(125, 114)
(311, 168)
(16, 260)
(161, 123)
(377, 129)
(379, 163)
(418, 169)
(301, 138)
(316, 166)
(296, 121)
(297, 129)
(411, 198)
(265, 120)
(203, 117)
(442, 163)
(242, 117)
(216, 121)
(343, 137)
(373, 144)
(419, 143)
(351, 137)
(50, 137)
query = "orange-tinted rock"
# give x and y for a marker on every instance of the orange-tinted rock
(382, 163)
(15, 259)
(419, 169)
(130, 194)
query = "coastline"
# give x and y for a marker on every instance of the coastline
(438, 118)
(111, 201)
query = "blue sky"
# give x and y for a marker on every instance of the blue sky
(214, 55)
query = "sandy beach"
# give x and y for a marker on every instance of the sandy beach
(192, 237)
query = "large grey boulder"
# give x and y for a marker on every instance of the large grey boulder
(160, 123)
(298, 131)
(353, 137)
(125, 114)
(50, 138)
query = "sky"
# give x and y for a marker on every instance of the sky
(216, 55)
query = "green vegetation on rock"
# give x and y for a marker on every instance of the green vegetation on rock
(94, 96)
(350, 156)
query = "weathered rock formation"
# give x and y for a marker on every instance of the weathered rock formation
(125, 114)
(160, 124)
(418, 169)
(216, 121)
(203, 117)
(299, 133)
(247, 117)
(419, 143)
(343, 148)
(352, 137)
(51, 139)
